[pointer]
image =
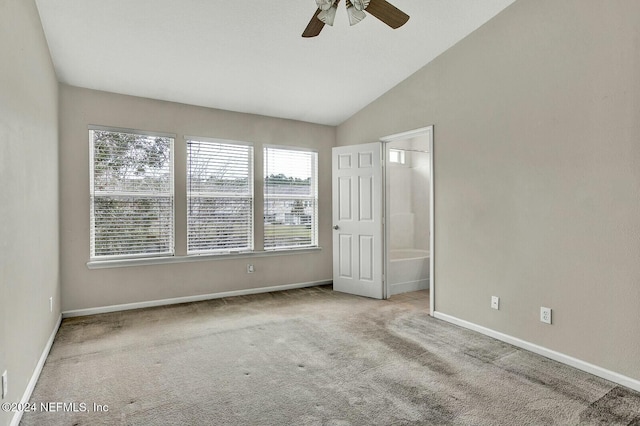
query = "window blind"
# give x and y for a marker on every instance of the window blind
(290, 198)
(131, 190)
(220, 197)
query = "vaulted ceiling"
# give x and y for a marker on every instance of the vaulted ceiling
(249, 56)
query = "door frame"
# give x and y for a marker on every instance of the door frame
(423, 131)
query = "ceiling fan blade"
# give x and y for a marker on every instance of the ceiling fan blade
(387, 13)
(314, 27)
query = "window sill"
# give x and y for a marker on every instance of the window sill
(122, 263)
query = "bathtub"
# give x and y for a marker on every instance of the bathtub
(408, 270)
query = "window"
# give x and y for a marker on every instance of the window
(131, 188)
(290, 198)
(132, 196)
(396, 156)
(220, 197)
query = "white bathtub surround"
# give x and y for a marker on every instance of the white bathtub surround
(408, 192)
(403, 226)
(408, 270)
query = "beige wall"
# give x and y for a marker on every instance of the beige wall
(83, 288)
(28, 195)
(537, 173)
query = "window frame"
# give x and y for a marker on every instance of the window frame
(315, 235)
(251, 179)
(127, 257)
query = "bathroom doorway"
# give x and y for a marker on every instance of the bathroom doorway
(408, 183)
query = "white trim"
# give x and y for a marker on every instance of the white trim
(188, 299)
(218, 140)
(399, 288)
(432, 225)
(289, 148)
(134, 131)
(26, 396)
(386, 215)
(540, 350)
(408, 135)
(159, 260)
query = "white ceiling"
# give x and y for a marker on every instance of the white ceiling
(249, 56)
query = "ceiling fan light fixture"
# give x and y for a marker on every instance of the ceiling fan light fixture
(325, 4)
(328, 16)
(361, 4)
(354, 14)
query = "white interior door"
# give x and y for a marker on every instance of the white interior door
(357, 220)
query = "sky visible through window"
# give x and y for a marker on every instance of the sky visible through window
(295, 165)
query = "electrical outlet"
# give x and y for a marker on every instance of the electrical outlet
(495, 302)
(51, 304)
(5, 389)
(545, 315)
(250, 269)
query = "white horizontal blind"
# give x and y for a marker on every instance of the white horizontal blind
(131, 187)
(290, 198)
(220, 197)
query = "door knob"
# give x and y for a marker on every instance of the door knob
(336, 227)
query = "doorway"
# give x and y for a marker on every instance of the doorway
(375, 229)
(408, 186)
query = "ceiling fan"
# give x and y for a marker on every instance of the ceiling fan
(381, 9)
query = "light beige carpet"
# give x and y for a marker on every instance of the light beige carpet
(309, 357)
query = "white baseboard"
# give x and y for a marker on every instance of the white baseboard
(187, 299)
(408, 286)
(26, 396)
(548, 353)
